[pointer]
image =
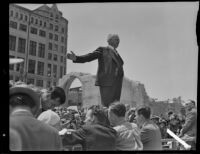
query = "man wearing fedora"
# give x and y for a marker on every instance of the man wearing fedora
(34, 134)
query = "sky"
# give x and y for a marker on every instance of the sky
(157, 42)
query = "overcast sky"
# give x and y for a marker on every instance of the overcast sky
(157, 42)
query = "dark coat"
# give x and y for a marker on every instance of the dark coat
(35, 134)
(92, 137)
(110, 65)
(151, 136)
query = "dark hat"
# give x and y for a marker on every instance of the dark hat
(24, 89)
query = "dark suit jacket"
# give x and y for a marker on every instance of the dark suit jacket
(35, 135)
(93, 137)
(151, 136)
(110, 65)
(190, 126)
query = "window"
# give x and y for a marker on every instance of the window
(54, 71)
(62, 39)
(32, 48)
(40, 68)
(21, 45)
(20, 66)
(50, 46)
(10, 77)
(11, 67)
(56, 37)
(48, 84)
(62, 49)
(55, 57)
(32, 19)
(31, 66)
(49, 56)
(45, 24)
(36, 21)
(64, 70)
(51, 26)
(56, 28)
(61, 71)
(63, 30)
(56, 16)
(39, 83)
(51, 15)
(13, 24)
(33, 30)
(42, 33)
(55, 47)
(61, 59)
(54, 83)
(16, 78)
(40, 22)
(21, 16)
(50, 36)
(12, 42)
(30, 81)
(41, 50)
(26, 17)
(16, 15)
(49, 70)
(11, 13)
(22, 27)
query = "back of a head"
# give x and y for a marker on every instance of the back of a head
(58, 92)
(100, 115)
(145, 111)
(23, 95)
(118, 109)
(51, 118)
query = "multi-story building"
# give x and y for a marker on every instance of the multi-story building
(40, 38)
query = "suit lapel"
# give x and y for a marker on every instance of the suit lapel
(114, 57)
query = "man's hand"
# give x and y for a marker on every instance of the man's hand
(71, 56)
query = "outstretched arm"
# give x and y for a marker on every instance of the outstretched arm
(85, 58)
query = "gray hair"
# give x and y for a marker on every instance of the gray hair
(111, 36)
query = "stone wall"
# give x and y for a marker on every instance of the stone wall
(133, 92)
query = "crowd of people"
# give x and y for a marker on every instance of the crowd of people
(37, 117)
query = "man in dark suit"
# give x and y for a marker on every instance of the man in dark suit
(110, 69)
(95, 135)
(34, 134)
(149, 131)
(189, 129)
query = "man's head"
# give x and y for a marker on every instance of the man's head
(96, 115)
(23, 96)
(189, 105)
(53, 97)
(143, 114)
(116, 113)
(113, 40)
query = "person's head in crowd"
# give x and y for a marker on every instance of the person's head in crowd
(113, 40)
(51, 118)
(143, 114)
(96, 115)
(23, 96)
(116, 113)
(189, 105)
(162, 123)
(170, 113)
(55, 96)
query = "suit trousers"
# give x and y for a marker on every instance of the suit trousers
(110, 94)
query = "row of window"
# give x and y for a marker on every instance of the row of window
(39, 82)
(37, 21)
(32, 48)
(34, 31)
(51, 69)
